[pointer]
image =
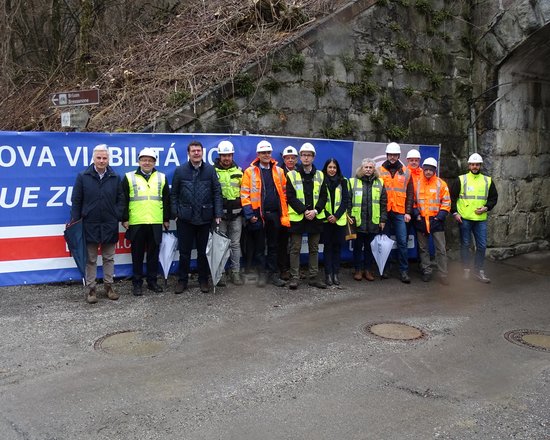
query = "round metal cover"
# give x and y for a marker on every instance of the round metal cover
(534, 339)
(131, 343)
(396, 331)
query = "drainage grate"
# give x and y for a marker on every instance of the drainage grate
(131, 343)
(535, 339)
(396, 331)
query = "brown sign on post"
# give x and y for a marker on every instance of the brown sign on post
(80, 97)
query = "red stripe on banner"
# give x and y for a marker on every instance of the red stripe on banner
(33, 248)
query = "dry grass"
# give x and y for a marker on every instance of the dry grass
(206, 43)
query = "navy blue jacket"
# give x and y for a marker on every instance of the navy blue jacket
(99, 202)
(196, 194)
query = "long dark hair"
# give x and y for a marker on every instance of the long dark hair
(339, 176)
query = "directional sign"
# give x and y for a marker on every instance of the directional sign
(75, 118)
(81, 97)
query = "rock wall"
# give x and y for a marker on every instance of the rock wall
(415, 71)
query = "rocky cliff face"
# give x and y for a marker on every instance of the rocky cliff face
(419, 71)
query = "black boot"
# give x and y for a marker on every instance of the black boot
(336, 279)
(328, 279)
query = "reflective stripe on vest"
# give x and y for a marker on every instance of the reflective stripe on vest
(145, 198)
(230, 181)
(337, 202)
(356, 186)
(396, 189)
(474, 192)
(430, 202)
(296, 179)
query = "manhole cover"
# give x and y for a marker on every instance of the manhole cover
(395, 330)
(131, 343)
(535, 339)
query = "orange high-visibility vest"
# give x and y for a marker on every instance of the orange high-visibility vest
(431, 196)
(251, 188)
(396, 188)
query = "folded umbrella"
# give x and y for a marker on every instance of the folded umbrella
(381, 246)
(217, 253)
(167, 249)
(74, 237)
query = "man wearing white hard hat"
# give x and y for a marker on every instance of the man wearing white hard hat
(432, 204)
(473, 195)
(265, 210)
(306, 191)
(290, 159)
(399, 188)
(413, 163)
(147, 210)
(230, 176)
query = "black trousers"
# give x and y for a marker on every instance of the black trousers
(283, 253)
(267, 236)
(187, 235)
(143, 242)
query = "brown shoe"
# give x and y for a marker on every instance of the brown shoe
(111, 294)
(368, 275)
(91, 297)
(358, 275)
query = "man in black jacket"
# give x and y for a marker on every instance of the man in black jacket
(97, 199)
(196, 200)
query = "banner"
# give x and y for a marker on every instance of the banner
(39, 170)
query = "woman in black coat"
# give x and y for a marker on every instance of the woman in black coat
(335, 212)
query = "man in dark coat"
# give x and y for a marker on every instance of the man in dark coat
(196, 200)
(97, 198)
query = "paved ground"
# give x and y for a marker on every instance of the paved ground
(249, 363)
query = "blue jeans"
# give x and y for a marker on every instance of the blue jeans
(396, 224)
(479, 230)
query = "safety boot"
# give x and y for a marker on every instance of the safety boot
(236, 278)
(91, 297)
(111, 294)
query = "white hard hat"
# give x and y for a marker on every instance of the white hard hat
(393, 148)
(307, 147)
(149, 152)
(430, 161)
(288, 151)
(225, 147)
(475, 158)
(413, 154)
(263, 146)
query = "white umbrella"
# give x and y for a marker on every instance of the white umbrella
(217, 253)
(168, 246)
(381, 246)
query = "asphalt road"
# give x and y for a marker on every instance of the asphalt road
(250, 363)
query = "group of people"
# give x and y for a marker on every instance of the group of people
(270, 208)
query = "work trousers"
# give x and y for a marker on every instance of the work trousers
(233, 229)
(440, 252)
(283, 259)
(108, 257)
(313, 248)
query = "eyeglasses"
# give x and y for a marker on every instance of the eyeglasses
(306, 155)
